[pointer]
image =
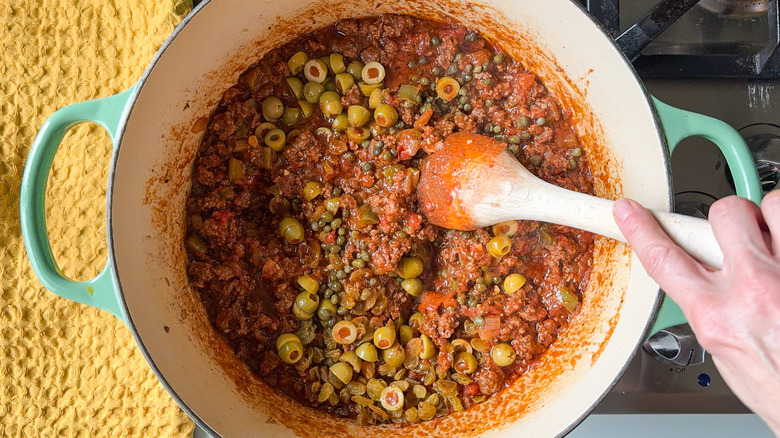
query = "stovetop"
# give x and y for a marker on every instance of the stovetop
(721, 63)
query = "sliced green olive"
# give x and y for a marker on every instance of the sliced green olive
(330, 104)
(513, 283)
(428, 348)
(300, 314)
(343, 371)
(359, 134)
(263, 128)
(358, 115)
(384, 337)
(503, 354)
(375, 98)
(367, 352)
(394, 356)
(326, 310)
(316, 71)
(344, 332)
(340, 123)
(465, 362)
(405, 334)
(367, 89)
(409, 93)
(291, 352)
(352, 358)
(355, 68)
(311, 190)
(275, 139)
(447, 88)
(344, 81)
(273, 108)
(291, 230)
(392, 398)
(413, 286)
(307, 301)
(461, 345)
(337, 63)
(306, 108)
(508, 228)
(296, 62)
(567, 298)
(312, 92)
(285, 338)
(409, 267)
(385, 115)
(373, 73)
(296, 86)
(499, 246)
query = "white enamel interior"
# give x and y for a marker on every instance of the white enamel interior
(150, 183)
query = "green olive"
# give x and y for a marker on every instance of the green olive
(465, 362)
(385, 115)
(296, 62)
(394, 356)
(447, 88)
(513, 283)
(367, 352)
(373, 73)
(300, 314)
(296, 86)
(367, 89)
(352, 358)
(428, 350)
(405, 334)
(330, 104)
(355, 68)
(359, 134)
(306, 108)
(275, 139)
(499, 246)
(307, 301)
(291, 352)
(337, 63)
(344, 81)
(392, 398)
(273, 108)
(384, 337)
(291, 230)
(344, 332)
(503, 354)
(375, 98)
(413, 286)
(291, 115)
(358, 115)
(340, 123)
(343, 371)
(311, 190)
(508, 228)
(316, 71)
(415, 320)
(312, 92)
(285, 338)
(326, 310)
(409, 267)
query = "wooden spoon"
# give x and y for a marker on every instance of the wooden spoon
(474, 182)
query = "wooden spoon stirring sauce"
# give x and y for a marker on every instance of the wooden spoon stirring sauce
(474, 182)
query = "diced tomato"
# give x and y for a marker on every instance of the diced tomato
(414, 221)
(424, 118)
(408, 143)
(223, 216)
(432, 300)
(330, 237)
(526, 80)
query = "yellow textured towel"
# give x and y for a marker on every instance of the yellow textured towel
(66, 369)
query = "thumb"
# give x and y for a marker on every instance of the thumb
(678, 274)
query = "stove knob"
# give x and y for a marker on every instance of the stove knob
(675, 345)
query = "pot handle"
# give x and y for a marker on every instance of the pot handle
(680, 124)
(100, 291)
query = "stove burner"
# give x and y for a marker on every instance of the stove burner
(763, 139)
(736, 8)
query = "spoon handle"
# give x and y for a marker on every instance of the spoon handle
(594, 214)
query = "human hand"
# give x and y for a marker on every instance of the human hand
(735, 311)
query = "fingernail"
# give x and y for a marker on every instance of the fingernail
(622, 209)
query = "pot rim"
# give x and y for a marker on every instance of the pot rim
(109, 217)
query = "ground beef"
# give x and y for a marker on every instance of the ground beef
(325, 228)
